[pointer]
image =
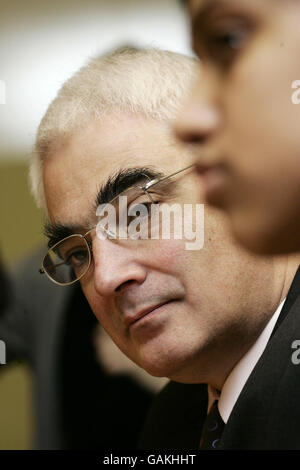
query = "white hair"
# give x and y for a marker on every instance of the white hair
(148, 82)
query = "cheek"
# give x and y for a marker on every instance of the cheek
(169, 257)
(105, 313)
(106, 318)
(260, 90)
(96, 303)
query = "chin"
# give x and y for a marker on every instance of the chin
(156, 362)
(157, 369)
(171, 364)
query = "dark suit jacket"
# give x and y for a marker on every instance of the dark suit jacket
(267, 412)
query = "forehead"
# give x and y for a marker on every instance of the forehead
(74, 173)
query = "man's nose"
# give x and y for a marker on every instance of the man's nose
(116, 266)
(200, 117)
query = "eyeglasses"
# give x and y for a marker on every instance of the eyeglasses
(69, 260)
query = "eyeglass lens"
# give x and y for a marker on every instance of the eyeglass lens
(68, 260)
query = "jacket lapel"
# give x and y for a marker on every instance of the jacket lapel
(266, 414)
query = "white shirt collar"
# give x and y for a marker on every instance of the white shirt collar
(240, 373)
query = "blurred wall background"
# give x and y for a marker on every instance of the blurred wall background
(41, 45)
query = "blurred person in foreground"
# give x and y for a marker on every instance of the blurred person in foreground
(202, 312)
(80, 383)
(243, 117)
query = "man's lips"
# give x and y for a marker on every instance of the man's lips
(131, 319)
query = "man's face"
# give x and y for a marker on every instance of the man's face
(241, 118)
(170, 310)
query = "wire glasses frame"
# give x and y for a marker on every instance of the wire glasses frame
(53, 260)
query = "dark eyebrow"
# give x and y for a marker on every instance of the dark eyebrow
(57, 232)
(124, 179)
(114, 185)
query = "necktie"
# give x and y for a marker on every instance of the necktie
(212, 429)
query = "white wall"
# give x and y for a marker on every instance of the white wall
(43, 42)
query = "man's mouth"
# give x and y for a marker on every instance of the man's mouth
(130, 320)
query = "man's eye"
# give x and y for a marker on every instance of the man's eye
(77, 258)
(141, 209)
